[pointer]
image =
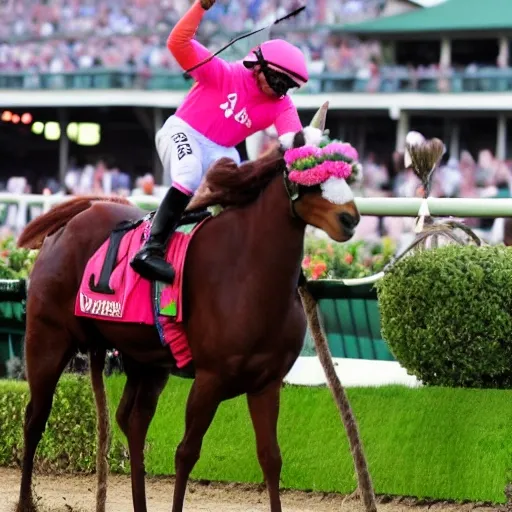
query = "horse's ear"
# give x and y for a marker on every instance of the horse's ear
(314, 133)
(320, 117)
(299, 140)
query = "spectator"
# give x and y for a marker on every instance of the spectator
(69, 35)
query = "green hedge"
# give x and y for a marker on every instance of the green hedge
(436, 443)
(447, 315)
(69, 443)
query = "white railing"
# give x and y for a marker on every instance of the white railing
(373, 206)
(307, 370)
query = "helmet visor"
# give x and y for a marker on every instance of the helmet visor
(278, 82)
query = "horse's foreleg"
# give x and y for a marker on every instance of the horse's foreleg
(148, 389)
(203, 401)
(46, 356)
(264, 409)
(125, 406)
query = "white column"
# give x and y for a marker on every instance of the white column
(157, 165)
(504, 54)
(447, 126)
(501, 140)
(402, 129)
(63, 145)
(342, 131)
(389, 52)
(445, 60)
(361, 139)
(455, 139)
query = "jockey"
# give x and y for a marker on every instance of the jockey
(227, 103)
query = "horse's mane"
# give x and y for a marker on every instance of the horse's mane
(32, 237)
(227, 184)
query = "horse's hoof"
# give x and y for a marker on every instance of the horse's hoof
(26, 506)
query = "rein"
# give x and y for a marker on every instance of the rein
(292, 189)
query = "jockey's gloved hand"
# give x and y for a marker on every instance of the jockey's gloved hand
(207, 4)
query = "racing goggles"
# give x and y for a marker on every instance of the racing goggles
(279, 82)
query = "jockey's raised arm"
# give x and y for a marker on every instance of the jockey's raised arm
(189, 52)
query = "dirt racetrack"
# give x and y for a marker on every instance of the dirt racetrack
(77, 494)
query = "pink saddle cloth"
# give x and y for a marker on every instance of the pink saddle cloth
(133, 297)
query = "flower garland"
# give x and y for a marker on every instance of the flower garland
(311, 165)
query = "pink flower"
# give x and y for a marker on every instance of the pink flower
(321, 173)
(338, 168)
(291, 155)
(318, 270)
(343, 148)
(310, 177)
(306, 261)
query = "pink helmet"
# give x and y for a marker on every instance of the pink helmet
(282, 57)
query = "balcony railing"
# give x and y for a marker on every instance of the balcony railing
(390, 80)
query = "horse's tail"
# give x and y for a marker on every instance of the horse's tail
(97, 358)
(35, 232)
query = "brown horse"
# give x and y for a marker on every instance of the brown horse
(245, 322)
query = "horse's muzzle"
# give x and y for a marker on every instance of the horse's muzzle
(348, 222)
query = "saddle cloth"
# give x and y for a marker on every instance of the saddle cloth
(112, 291)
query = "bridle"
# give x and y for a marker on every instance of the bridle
(293, 191)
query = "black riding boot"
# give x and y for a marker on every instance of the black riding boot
(150, 262)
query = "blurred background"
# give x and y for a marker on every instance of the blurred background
(85, 84)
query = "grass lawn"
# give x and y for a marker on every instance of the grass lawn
(436, 443)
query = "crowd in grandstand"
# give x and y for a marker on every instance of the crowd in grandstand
(68, 35)
(85, 36)
(36, 19)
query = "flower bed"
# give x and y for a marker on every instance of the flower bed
(324, 259)
(15, 263)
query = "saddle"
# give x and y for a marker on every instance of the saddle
(102, 286)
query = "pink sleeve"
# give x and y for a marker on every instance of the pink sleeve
(214, 71)
(188, 52)
(288, 120)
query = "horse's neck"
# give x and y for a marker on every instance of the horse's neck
(275, 235)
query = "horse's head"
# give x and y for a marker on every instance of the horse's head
(318, 180)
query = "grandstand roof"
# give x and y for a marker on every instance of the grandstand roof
(427, 3)
(453, 16)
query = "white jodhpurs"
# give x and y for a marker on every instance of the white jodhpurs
(186, 154)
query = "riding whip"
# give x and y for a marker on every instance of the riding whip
(292, 14)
